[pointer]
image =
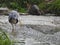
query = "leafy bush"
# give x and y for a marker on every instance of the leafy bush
(52, 7)
(20, 5)
(56, 6)
(17, 4)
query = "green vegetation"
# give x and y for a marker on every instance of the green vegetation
(4, 40)
(52, 7)
(56, 6)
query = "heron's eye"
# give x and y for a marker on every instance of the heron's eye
(14, 15)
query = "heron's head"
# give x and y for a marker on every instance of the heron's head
(14, 14)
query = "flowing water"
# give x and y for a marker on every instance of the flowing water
(30, 34)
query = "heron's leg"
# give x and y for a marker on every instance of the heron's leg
(12, 28)
(15, 27)
(14, 33)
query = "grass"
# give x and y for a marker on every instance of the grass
(4, 39)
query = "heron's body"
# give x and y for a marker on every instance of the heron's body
(13, 21)
(13, 17)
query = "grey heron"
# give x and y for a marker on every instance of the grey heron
(13, 19)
